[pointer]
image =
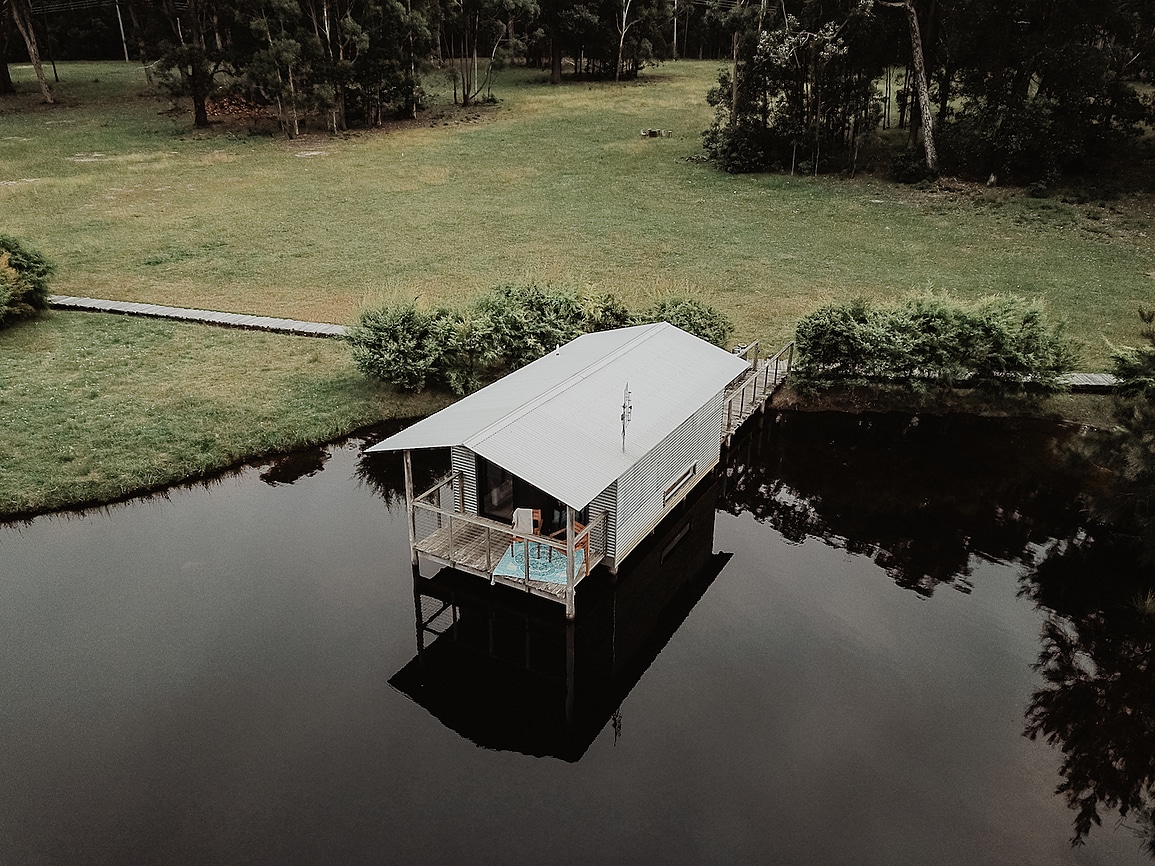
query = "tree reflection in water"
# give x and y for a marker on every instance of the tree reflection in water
(919, 495)
(1098, 699)
(922, 496)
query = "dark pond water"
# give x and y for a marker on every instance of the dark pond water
(828, 656)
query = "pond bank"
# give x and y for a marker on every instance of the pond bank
(1092, 410)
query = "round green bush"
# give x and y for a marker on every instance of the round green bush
(23, 281)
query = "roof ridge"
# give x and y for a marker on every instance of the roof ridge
(648, 331)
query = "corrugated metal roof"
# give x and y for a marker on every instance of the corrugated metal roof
(556, 423)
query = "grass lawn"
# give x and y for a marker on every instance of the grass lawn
(96, 407)
(552, 184)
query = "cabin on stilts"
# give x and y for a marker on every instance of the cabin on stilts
(571, 461)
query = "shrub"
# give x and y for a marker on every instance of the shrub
(1000, 343)
(699, 319)
(500, 331)
(740, 149)
(471, 356)
(1135, 367)
(604, 313)
(529, 321)
(909, 166)
(23, 281)
(400, 345)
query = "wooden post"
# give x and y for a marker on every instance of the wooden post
(569, 669)
(409, 506)
(418, 615)
(569, 569)
(452, 542)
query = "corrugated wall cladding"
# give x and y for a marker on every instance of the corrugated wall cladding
(463, 460)
(607, 501)
(642, 489)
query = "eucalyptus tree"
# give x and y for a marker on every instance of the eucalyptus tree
(7, 27)
(191, 41)
(801, 92)
(474, 33)
(277, 65)
(1043, 84)
(19, 12)
(918, 58)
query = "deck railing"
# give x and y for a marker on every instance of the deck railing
(753, 390)
(444, 531)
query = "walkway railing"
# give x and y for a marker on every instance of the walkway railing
(752, 392)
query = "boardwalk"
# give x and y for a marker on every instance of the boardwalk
(1090, 383)
(208, 317)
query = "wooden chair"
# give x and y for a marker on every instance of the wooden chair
(535, 529)
(583, 545)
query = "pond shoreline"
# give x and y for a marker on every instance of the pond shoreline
(369, 433)
(1086, 410)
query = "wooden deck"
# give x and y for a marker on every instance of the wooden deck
(472, 547)
(207, 317)
(477, 549)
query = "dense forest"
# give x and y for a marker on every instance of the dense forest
(1023, 90)
(1026, 90)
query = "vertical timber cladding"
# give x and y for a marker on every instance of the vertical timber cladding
(664, 477)
(462, 460)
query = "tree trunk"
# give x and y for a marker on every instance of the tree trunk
(555, 61)
(622, 30)
(200, 110)
(6, 25)
(920, 81)
(22, 16)
(923, 90)
(141, 44)
(734, 83)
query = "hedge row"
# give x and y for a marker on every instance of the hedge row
(999, 342)
(501, 331)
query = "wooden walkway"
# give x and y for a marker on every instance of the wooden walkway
(208, 317)
(748, 395)
(1090, 383)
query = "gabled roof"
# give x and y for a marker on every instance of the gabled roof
(556, 423)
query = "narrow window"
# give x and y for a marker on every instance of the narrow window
(680, 482)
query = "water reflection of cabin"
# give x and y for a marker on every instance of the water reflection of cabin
(545, 445)
(507, 673)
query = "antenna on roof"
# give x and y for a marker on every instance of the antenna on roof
(627, 411)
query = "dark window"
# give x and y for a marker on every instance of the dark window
(495, 491)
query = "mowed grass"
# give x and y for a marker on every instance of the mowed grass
(552, 184)
(96, 407)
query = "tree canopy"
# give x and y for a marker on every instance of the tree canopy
(1025, 90)
(351, 62)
